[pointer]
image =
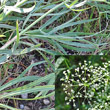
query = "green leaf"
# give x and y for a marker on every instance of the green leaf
(29, 90)
(2, 36)
(17, 31)
(58, 62)
(19, 10)
(7, 107)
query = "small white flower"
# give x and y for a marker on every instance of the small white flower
(76, 74)
(85, 61)
(80, 95)
(66, 77)
(72, 90)
(91, 66)
(76, 95)
(66, 86)
(106, 63)
(89, 75)
(68, 71)
(66, 92)
(61, 79)
(71, 85)
(62, 84)
(103, 69)
(77, 80)
(64, 72)
(108, 97)
(69, 82)
(67, 103)
(93, 109)
(89, 62)
(73, 100)
(85, 96)
(105, 66)
(78, 92)
(77, 69)
(84, 90)
(101, 106)
(92, 93)
(66, 98)
(80, 84)
(72, 75)
(74, 105)
(105, 104)
(72, 79)
(82, 71)
(69, 100)
(103, 91)
(83, 79)
(69, 93)
(81, 67)
(80, 64)
(89, 102)
(79, 75)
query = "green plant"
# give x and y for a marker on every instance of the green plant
(51, 32)
(88, 86)
(37, 23)
(74, 5)
(32, 87)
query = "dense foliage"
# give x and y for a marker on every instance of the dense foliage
(49, 28)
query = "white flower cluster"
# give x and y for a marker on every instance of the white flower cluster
(88, 85)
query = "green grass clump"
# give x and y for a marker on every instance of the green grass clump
(11, 89)
(81, 31)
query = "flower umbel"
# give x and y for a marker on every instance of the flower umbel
(88, 85)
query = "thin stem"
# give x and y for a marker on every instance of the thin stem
(40, 18)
